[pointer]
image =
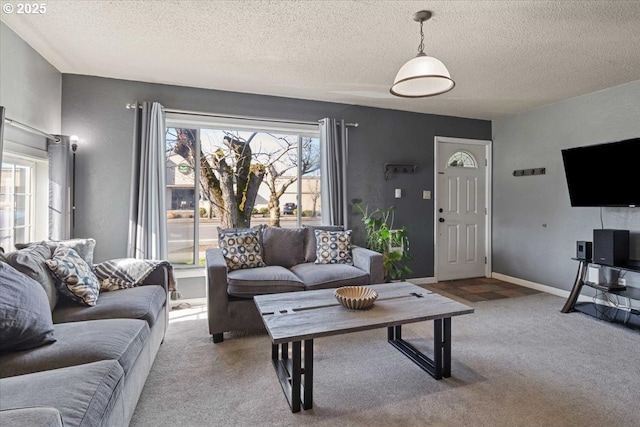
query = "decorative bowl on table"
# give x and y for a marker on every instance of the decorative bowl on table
(356, 297)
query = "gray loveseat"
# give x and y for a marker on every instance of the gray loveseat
(94, 362)
(289, 256)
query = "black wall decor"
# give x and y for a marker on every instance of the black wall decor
(390, 168)
(529, 172)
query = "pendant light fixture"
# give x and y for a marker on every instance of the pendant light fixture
(423, 75)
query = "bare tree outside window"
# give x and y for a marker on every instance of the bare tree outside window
(244, 178)
(282, 169)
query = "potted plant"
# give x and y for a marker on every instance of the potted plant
(392, 243)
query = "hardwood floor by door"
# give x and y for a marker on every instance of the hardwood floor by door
(479, 289)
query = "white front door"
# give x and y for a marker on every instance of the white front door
(461, 209)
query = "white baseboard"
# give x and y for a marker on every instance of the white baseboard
(537, 286)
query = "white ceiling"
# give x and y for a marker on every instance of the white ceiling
(506, 57)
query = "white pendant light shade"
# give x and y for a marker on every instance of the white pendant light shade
(422, 76)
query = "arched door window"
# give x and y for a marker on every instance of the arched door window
(462, 159)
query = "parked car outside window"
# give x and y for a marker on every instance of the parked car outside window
(289, 208)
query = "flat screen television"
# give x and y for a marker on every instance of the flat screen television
(604, 174)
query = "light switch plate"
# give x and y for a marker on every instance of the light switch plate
(426, 194)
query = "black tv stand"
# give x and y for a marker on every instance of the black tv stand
(626, 317)
(607, 287)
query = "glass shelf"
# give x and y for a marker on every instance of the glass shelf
(628, 292)
(627, 318)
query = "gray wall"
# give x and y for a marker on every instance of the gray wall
(94, 109)
(30, 87)
(535, 229)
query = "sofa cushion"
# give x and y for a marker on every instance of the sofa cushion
(333, 247)
(310, 239)
(74, 276)
(242, 249)
(33, 416)
(267, 280)
(82, 342)
(25, 316)
(85, 395)
(143, 302)
(84, 247)
(30, 261)
(326, 276)
(283, 246)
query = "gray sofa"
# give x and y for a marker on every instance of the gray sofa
(94, 371)
(289, 255)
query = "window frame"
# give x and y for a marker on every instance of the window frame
(197, 123)
(16, 161)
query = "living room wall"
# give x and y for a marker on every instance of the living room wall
(94, 109)
(535, 229)
(30, 88)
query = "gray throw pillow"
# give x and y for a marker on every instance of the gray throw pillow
(310, 239)
(31, 261)
(25, 317)
(283, 246)
(84, 247)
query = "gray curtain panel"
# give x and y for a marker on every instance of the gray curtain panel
(60, 188)
(333, 168)
(2, 113)
(147, 212)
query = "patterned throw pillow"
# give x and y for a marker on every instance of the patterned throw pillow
(333, 247)
(75, 278)
(310, 243)
(241, 248)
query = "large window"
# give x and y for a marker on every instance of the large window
(235, 176)
(16, 202)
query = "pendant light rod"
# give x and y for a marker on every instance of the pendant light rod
(421, 16)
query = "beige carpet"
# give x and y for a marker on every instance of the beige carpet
(516, 362)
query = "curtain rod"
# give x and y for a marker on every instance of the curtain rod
(31, 129)
(229, 116)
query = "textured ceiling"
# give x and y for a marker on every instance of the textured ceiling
(506, 57)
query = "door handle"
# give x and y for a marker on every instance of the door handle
(441, 220)
(440, 210)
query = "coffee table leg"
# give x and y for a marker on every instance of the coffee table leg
(296, 373)
(295, 378)
(440, 365)
(446, 348)
(308, 375)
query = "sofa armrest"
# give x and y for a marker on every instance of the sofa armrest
(32, 416)
(369, 261)
(217, 297)
(159, 276)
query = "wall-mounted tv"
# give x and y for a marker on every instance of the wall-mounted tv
(604, 174)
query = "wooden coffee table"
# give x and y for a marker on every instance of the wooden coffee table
(300, 317)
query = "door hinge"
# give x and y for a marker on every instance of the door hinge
(485, 260)
(485, 162)
(485, 211)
